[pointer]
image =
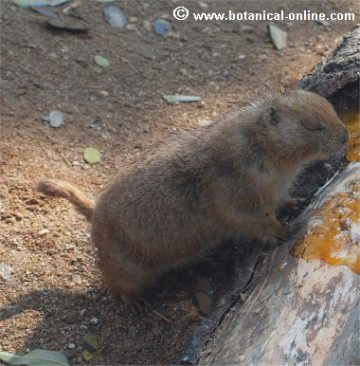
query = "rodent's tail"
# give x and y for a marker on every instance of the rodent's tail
(60, 188)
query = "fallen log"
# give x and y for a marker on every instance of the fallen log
(339, 70)
(296, 311)
(301, 312)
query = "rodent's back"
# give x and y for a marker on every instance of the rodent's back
(156, 202)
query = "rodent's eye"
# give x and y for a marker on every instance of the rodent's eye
(273, 116)
(312, 125)
(269, 117)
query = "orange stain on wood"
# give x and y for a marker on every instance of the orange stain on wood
(333, 234)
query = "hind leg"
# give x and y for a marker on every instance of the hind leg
(124, 277)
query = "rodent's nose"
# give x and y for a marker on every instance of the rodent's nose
(345, 136)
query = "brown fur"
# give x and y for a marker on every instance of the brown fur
(59, 188)
(228, 178)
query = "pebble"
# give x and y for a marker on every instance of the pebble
(53, 56)
(82, 312)
(147, 25)
(5, 271)
(203, 122)
(247, 28)
(115, 16)
(131, 27)
(162, 27)
(76, 279)
(69, 247)
(94, 321)
(43, 232)
(17, 243)
(203, 5)
(71, 345)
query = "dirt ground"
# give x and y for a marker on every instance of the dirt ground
(54, 294)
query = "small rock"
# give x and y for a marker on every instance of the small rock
(203, 122)
(131, 27)
(5, 271)
(247, 28)
(147, 25)
(82, 312)
(322, 22)
(53, 56)
(69, 247)
(71, 25)
(203, 5)
(71, 346)
(76, 279)
(94, 321)
(115, 16)
(250, 39)
(55, 119)
(43, 232)
(162, 27)
(104, 93)
(133, 19)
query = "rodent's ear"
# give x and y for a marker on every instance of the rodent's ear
(270, 117)
(312, 124)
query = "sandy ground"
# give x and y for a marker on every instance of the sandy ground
(54, 294)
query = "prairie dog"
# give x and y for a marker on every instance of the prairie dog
(227, 178)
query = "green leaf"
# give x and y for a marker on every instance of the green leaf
(29, 3)
(102, 61)
(91, 346)
(92, 155)
(38, 357)
(181, 98)
(278, 36)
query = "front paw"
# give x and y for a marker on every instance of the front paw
(284, 232)
(279, 233)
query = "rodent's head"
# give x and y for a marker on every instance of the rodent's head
(301, 126)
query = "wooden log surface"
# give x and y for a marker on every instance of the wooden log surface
(297, 311)
(301, 312)
(339, 69)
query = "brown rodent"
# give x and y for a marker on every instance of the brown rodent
(202, 185)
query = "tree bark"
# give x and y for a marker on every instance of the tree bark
(341, 68)
(301, 312)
